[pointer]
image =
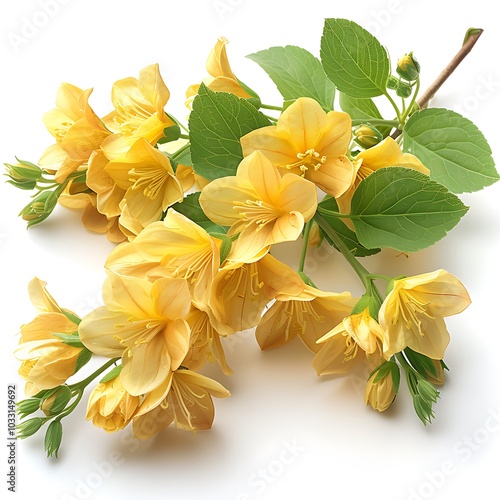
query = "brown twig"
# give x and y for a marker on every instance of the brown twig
(423, 101)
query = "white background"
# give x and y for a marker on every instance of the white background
(341, 449)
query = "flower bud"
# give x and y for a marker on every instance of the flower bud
(380, 395)
(29, 427)
(403, 90)
(57, 401)
(439, 378)
(53, 438)
(392, 83)
(367, 136)
(27, 407)
(408, 67)
(23, 175)
(39, 208)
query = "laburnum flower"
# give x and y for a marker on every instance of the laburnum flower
(357, 339)
(149, 182)
(308, 142)
(47, 361)
(222, 78)
(139, 111)
(412, 313)
(110, 406)
(76, 128)
(385, 154)
(261, 207)
(380, 395)
(185, 399)
(240, 292)
(183, 249)
(308, 314)
(145, 324)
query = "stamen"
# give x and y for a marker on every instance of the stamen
(307, 160)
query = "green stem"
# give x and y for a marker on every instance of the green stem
(305, 245)
(269, 106)
(183, 136)
(395, 106)
(85, 382)
(180, 151)
(271, 118)
(412, 102)
(360, 270)
(376, 121)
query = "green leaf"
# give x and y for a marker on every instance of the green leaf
(226, 246)
(217, 123)
(353, 59)
(308, 281)
(83, 358)
(190, 207)
(296, 73)
(72, 339)
(452, 148)
(170, 134)
(403, 209)
(422, 364)
(327, 208)
(72, 317)
(112, 374)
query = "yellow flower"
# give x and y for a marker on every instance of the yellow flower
(385, 154)
(308, 142)
(412, 313)
(139, 105)
(77, 195)
(205, 344)
(144, 323)
(240, 292)
(148, 180)
(46, 361)
(309, 315)
(222, 78)
(139, 112)
(380, 395)
(259, 205)
(182, 249)
(109, 194)
(358, 339)
(76, 128)
(186, 399)
(110, 406)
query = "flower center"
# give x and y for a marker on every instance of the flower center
(257, 212)
(307, 160)
(149, 179)
(412, 310)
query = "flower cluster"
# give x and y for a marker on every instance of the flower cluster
(198, 211)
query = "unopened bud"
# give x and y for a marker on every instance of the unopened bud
(29, 427)
(403, 90)
(381, 394)
(57, 401)
(23, 175)
(392, 83)
(53, 438)
(408, 67)
(367, 136)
